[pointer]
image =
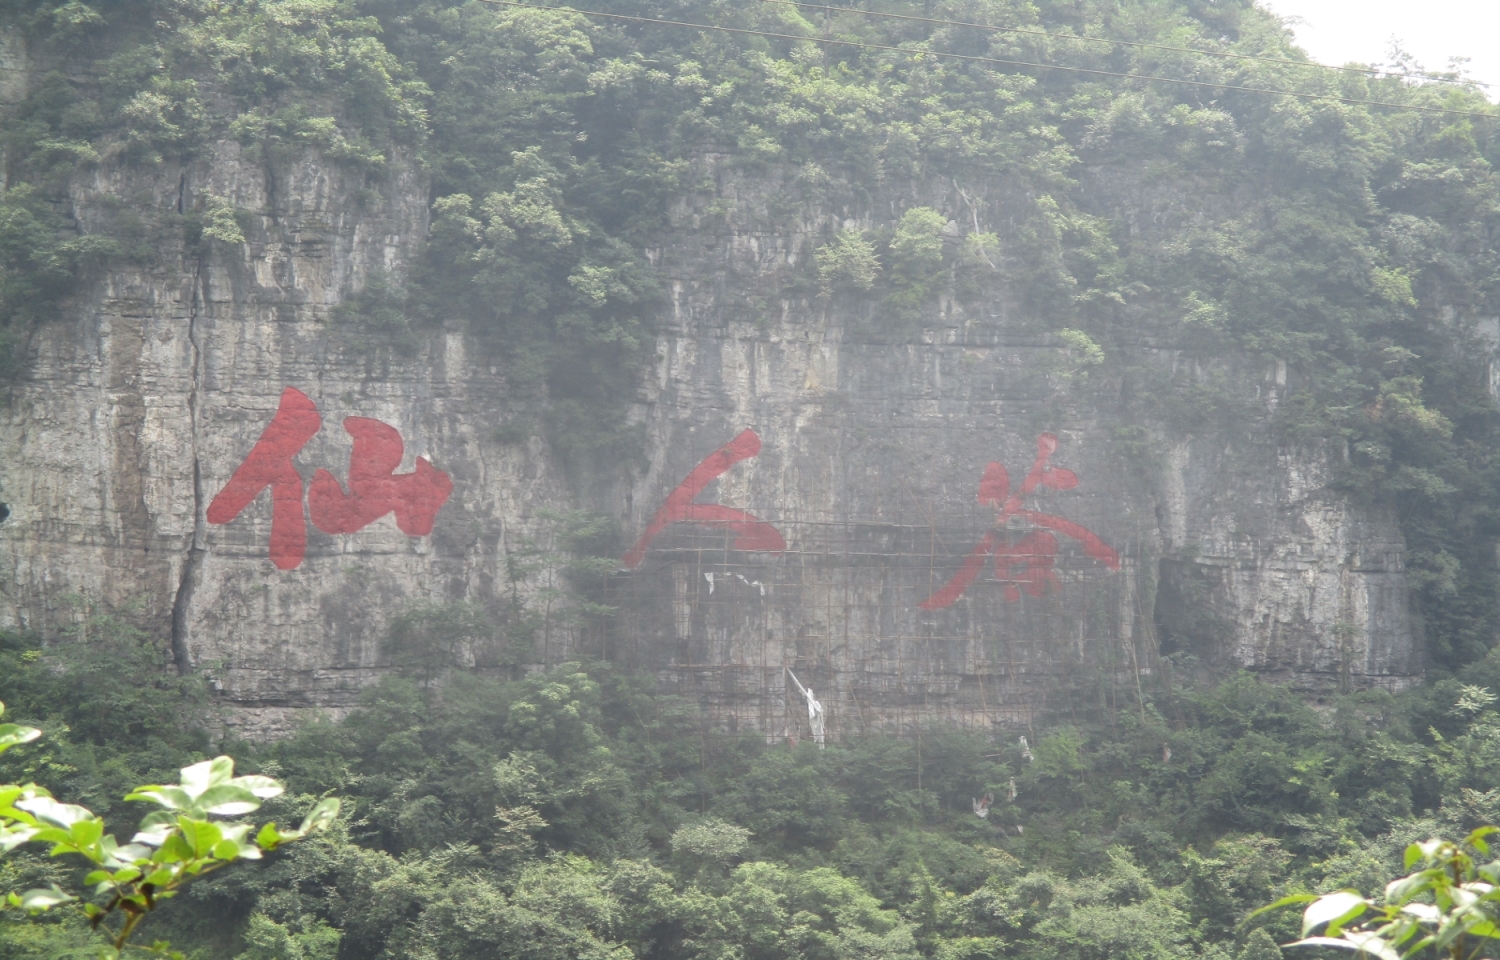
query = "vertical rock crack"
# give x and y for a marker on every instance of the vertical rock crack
(181, 604)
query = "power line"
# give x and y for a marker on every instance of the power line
(1368, 71)
(969, 58)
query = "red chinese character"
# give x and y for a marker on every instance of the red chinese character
(750, 533)
(375, 489)
(1036, 553)
(270, 465)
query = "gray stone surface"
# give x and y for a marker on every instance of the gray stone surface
(147, 394)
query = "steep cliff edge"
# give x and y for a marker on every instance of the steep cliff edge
(888, 529)
(141, 407)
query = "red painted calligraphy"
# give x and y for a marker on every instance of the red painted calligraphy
(1027, 564)
(374, 488)
(270, 465)
(751, 533)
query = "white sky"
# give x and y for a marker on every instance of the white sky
(1433, 31)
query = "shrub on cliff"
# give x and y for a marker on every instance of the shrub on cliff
(174, 846)
(1339, 229)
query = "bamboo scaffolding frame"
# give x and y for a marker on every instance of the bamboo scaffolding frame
(840, 604)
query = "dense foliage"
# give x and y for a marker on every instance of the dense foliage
(1446, 906)
(1348, 245)
(183, 841)
(576, 814)
(571, 814)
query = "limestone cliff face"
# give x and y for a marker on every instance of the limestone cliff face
(151, 391)
(1230, 548)
(145, 399)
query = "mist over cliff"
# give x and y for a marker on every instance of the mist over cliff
(692, 480)
(343, 336)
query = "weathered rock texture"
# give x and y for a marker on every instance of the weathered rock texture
(153, 388)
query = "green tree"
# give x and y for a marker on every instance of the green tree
(1448, 908)
(847, 263)
(177, 844)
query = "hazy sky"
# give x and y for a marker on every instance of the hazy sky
(1338, 31)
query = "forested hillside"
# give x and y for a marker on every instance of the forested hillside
(1334, 227)
(577, 814)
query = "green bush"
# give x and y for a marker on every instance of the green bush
(847, 263)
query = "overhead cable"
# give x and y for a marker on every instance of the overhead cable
(1223, 54)
(971, 58)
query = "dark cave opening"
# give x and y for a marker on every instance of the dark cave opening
(1186, 623)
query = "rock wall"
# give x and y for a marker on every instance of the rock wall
(872, 460)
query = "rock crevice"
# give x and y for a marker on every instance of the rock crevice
(874, 454)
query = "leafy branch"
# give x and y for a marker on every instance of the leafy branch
(1447, 905)
(173, 846)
